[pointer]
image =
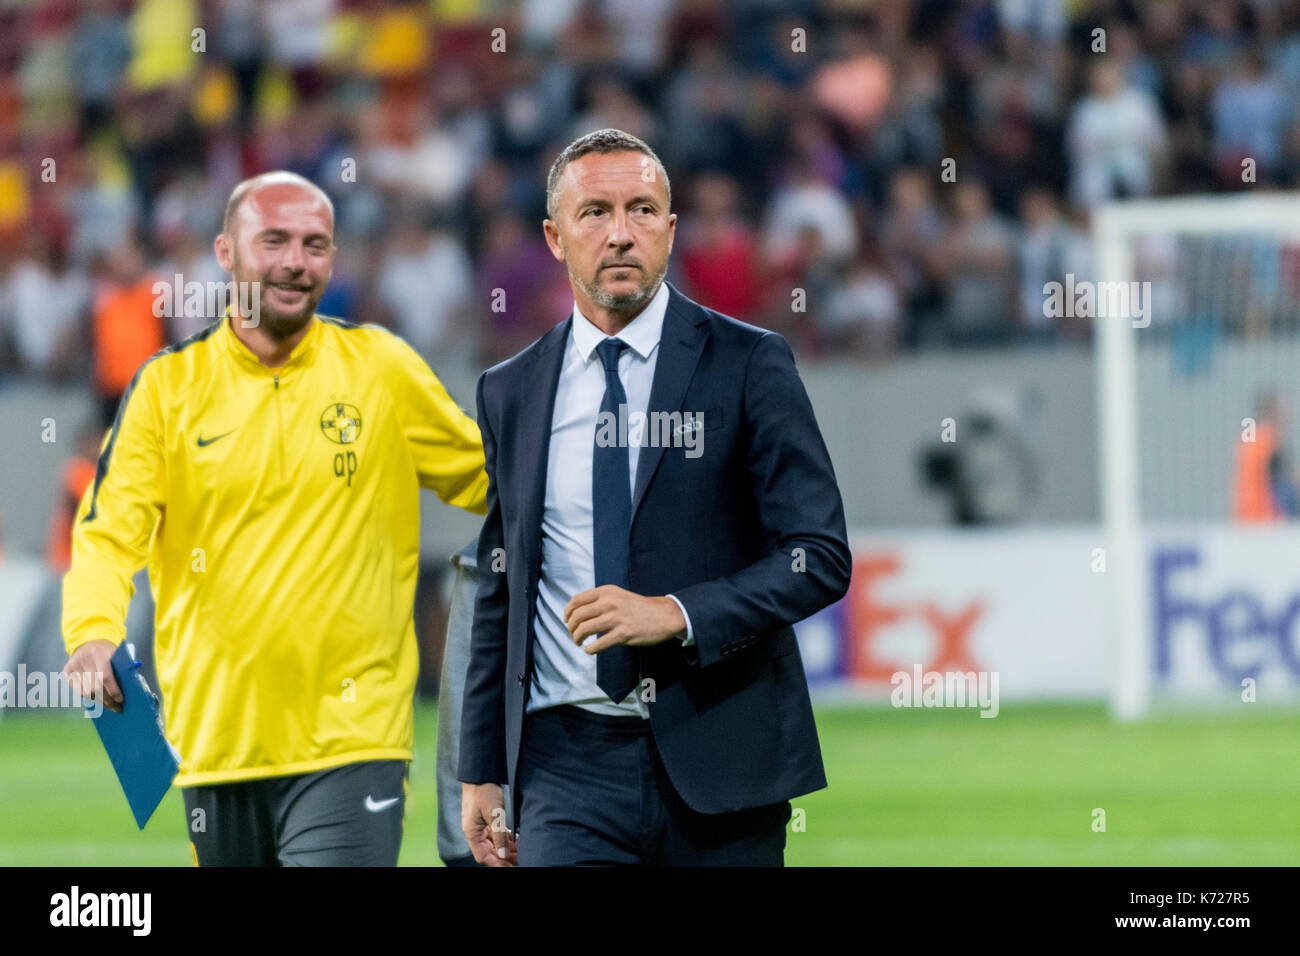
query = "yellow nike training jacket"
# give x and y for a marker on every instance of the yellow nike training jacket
(278, 512)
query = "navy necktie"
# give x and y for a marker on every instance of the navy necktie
(611, 505)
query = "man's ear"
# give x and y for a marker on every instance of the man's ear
(224, 249)
(553, 242)
(672, 231)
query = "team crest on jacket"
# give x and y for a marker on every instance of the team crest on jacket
(341, 423)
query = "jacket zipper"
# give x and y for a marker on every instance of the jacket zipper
(279, 431)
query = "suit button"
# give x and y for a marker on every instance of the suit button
(519, 678)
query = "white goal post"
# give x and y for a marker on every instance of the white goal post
(1119, 228)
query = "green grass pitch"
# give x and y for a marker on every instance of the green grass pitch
(906, 787)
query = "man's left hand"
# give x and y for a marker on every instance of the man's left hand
(621, 617)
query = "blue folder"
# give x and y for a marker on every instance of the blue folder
(144, 761)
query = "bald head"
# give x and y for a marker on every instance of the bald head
(283, 184)
(278, 239)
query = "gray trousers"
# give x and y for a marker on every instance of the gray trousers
(452, 847)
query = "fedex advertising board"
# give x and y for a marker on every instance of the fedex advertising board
(1037, 607)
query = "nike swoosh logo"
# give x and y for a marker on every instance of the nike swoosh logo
(204, 442)
(375, 806)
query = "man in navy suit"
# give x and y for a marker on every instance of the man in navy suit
(662, 509)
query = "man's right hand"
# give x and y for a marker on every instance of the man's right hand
(89, 672)
(483, 818)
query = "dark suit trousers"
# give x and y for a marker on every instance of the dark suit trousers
(593, 792)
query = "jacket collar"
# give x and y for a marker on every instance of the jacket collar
(299, 357)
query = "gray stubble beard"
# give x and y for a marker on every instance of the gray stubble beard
(630, 303)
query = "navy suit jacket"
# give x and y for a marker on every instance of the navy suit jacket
(749, 536)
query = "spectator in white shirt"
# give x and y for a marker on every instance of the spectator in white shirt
(426, 285)
(48, 304)
(1115, 139)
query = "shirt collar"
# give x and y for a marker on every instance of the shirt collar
(641, 334)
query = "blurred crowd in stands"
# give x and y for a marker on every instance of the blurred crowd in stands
(865, 177)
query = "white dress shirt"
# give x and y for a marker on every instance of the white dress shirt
(563, 673)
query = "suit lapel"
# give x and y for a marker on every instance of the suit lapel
(540, 377)
(680, 344)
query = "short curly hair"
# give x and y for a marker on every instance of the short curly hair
(600, 141)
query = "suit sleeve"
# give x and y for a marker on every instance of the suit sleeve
(116, 519)
(444, 441)
(482, 729)
(800, 510)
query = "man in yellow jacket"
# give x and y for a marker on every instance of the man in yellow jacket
(267, 470)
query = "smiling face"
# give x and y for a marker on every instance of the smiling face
(612, 230)
(281, 236)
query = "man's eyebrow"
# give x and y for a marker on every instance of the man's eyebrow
(606, 204)
(278, 233)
